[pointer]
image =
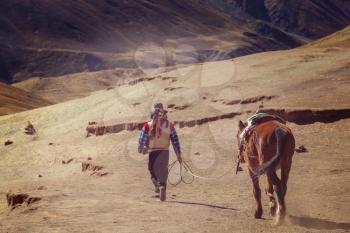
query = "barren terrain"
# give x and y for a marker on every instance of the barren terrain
(101, 184)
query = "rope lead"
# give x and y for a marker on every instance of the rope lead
(185, 167)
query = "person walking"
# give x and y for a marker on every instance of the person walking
(155, 139)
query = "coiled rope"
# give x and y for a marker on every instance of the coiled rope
(184, 167)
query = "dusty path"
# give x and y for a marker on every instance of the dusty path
(318, 195)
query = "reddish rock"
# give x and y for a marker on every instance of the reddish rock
(301, 149)
(67, 162)
(14, 200)
(85, 166)
(8, 142)
(257, 99)
(30, 130)
(91, 130)
(100, 131)
(99, 173)
(233, 102)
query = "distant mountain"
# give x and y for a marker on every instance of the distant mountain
(340, 39)
(51, 38)
(309, 18)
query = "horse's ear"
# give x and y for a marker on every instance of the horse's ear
(241, 125)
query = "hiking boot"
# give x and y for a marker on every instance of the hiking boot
(162, 190)
(156, 189)
(156, 184)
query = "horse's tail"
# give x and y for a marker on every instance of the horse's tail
(281, 136)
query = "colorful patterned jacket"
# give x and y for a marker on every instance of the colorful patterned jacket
(159, 142)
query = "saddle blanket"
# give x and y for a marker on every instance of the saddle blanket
(255, 120)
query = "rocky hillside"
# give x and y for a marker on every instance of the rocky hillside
(78, 85)
(51, 38)
(309, 18)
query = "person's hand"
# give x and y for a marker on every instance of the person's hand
(179, 159)
(143, 150)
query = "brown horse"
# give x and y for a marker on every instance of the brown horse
(269, 147)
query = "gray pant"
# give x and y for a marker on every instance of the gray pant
(158, 167)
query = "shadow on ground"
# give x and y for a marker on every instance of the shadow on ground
(316, 223)
(203, 204)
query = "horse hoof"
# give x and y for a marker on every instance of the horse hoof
(273, 212)
(279, 219)
(278, 222)
(258, 214)
(273, 209)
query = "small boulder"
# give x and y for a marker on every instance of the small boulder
(8, 142)
(30, 130)
(90, 167)
(67, 162)
(301, 149)
(99, 173)
(16, 199)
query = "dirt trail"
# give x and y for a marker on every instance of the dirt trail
(122, 201)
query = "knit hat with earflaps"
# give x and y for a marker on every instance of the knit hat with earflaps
(157, 108)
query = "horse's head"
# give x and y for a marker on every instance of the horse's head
(241, 127)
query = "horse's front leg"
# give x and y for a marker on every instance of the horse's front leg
(257, 194)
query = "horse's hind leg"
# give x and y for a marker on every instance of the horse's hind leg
(285, 169)
(280, 192)
(269, 192)
(257, 194)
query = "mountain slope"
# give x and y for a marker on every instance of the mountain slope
(53, 38)
(14, 100)
(339, 39)
(309, 18)
(77, 85)
(68, 87)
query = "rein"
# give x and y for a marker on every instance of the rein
(184, 167)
